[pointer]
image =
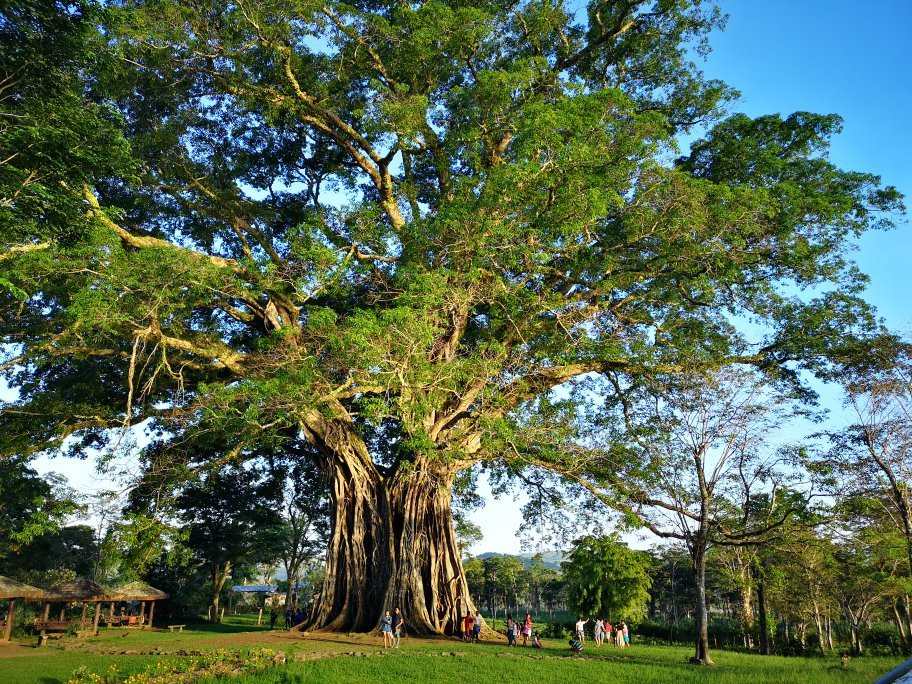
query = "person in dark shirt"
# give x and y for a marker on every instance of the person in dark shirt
(398, 623)
(288, 618)
(273, 616)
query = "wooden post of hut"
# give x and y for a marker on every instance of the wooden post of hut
(14, 591)
(62, 612)
(111, 614)
(142, 592)
(97, 615)
(8, 628)
(82, 618)
(42, 635)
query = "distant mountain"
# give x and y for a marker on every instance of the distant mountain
(551, 559)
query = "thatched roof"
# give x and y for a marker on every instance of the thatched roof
(10, 588)
(80, 589)
(138, 591)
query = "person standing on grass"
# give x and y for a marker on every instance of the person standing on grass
(599, 631)
(581, 629)
(476, 633)
(273, 616)
(386, 628)
(511, 631)
(287, 618)
(468, 626)
(626, 633)
(619, 635)
(527, 629)
(397, 627)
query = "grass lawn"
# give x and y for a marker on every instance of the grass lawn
(361, 658)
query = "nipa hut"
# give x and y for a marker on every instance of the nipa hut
(142, 592)
(13, 590)
(80, 590)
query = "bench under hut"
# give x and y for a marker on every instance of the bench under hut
(144, 593)
(80, 590)
(14, 591)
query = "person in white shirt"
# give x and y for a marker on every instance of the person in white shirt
(580, 625)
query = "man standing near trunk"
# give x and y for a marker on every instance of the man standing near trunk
(397, 627)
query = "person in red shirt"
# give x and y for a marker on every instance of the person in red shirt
(469, 626)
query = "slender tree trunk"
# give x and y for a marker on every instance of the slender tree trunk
(219, 575)
(746, 611)
(818, 622)
(762, 617)
(907, 609)
(701, 652)
(901, 627)
(829, 633)
(392, 545)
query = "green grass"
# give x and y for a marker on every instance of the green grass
(358, 658)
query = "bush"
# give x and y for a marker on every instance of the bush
(555, 630)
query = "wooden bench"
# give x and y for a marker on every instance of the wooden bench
(45, 626)
(179, 628)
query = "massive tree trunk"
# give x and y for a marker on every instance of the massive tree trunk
(392, 545)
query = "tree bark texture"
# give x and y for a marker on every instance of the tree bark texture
(392, 544)
(701, 652)
(762, 618)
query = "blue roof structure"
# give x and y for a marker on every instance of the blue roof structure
(254, 588)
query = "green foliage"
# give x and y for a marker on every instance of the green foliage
(231, 515)
(607, 578)
(33, 510)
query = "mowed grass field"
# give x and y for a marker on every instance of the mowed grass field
(333, 658)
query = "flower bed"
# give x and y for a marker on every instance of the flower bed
(220, 663)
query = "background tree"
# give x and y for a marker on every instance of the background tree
(873, 455)
(700, 443)
(605, 578)
(305, 521)
(231, 516)
(389, 232)
(33, 512)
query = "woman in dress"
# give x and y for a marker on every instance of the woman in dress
(386, 626)
(527, 629)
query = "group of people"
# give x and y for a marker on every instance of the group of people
(515, 630)
(471, 626)
(391, 628)
(392, 624)
(292, 617)
(602, 632)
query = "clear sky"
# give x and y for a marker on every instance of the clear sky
(844, 56)
(829, 56)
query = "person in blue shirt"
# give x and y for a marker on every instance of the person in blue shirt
(386, 628)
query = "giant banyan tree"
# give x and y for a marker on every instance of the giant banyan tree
(380, 234)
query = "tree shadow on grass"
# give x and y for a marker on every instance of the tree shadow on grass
(223, 628)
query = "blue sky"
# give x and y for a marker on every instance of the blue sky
(829, 56)
(841, 56)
